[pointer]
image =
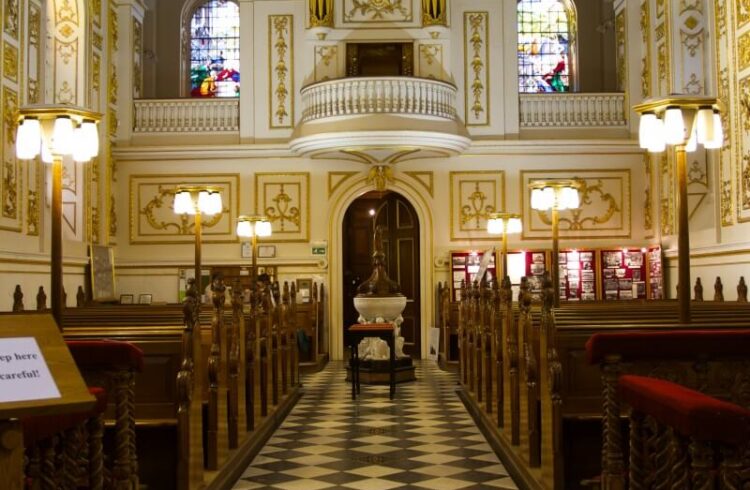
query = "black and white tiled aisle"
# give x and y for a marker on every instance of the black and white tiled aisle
(423, 439)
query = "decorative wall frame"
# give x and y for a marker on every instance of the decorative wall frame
(281, 71)
(285, 199)
(605, 210)
(477, 68)
(152, 220)
(473, 195)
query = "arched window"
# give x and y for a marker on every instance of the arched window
(546, 42)
(215, 50)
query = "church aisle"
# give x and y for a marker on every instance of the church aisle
(424, 438)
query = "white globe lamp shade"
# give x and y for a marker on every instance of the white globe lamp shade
(705, 125)
(215, 203)
(495, 226)
(568, 198)
(515, 225)
(263, 228)
(244, 229)
(644, 129)
(28, 139)
(62, 136)
(80, 148)
(657, 142)
(674, 126)
(718, 139)
(692, 142)
(183, 203)
(91, 137)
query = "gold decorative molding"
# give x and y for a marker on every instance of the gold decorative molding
(742, 8)
(666, 193)
(378, 11)
(10, 62)
(431, 61)
(605, 210)
(473, 196)
(434, 13)
(646, 50)
(10, 185)
(285, 199)
(379, 176)
(425, 179)
(152, 220)
(476, 69)
(281, 71)
(326, 62)
(137, 59)
(648, 197)
(11, 18)
(621, 35)
(33, 46)
(335, 179)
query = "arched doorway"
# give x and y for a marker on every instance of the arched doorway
(395, 214)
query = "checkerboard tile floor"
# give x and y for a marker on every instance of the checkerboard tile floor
(423, 439)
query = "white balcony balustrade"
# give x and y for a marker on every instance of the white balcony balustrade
(379, 95)
(573, 110)
(186, 115)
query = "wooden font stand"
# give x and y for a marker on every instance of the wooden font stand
(74, 396)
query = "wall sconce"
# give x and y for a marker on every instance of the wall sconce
(56, 132)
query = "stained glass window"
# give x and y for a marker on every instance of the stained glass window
(544, 39)
(215, 50)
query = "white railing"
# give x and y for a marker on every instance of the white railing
(573, 110)
(185, 115)
(378, 95)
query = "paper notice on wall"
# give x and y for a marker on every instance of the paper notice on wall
(24, 374)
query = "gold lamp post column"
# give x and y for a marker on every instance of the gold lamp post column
(682, 122)
(555, 196)
(504, 224)
(197, 200)
(57, 132)
(253, 227)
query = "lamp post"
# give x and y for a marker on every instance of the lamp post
(196, 201)
(556, 196)
(57, 132)
(682, 122)
(504, 224)
(253, 227)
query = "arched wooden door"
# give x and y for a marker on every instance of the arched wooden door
(401, 242)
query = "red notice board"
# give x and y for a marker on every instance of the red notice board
(655, 282)
(578, 275)
(465, 266)
(623, 274)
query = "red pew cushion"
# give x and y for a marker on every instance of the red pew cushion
(690, 412)
(673, 344)
(106, 354)
(41, 427)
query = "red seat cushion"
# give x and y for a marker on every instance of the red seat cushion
(106, 354)
(41, 427)
(689, 412)
(672, 344)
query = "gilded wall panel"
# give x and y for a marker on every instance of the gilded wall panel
(34, 54)
(137, 59)
(379, 13)
(476, 68)
(10, 185)
(742, 12)
(152, 219)
(646, 50)
(666, 193)
(473, 196)
(431, 61)
(723, 157)
(326, 62)
(621, 38)
(648, 195)
(605, 210)
(11, 18)
(281, 71)
(68, 52)
(10, 62)
(285, 199)
(35, 180)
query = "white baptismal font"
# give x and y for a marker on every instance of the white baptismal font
(379, 300)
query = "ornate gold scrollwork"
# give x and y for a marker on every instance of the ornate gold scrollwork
(321, 13)
(477, 65)
(577, 220)
(379, 176)
(283, 212)
(434, 13)
(377, 9)
(476, 210)
(185, 225)
(281, 26)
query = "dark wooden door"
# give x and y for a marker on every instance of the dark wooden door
(401, 242)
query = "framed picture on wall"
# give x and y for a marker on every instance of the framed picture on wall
(126, 299)
(102, 264)
(144, 299)
(266, 251)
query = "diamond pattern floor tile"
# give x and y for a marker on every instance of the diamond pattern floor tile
(423, 439)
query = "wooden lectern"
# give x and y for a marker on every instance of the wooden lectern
(25, 373)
